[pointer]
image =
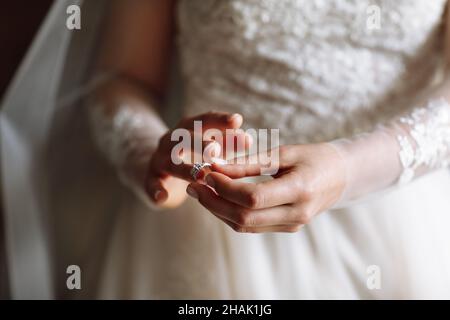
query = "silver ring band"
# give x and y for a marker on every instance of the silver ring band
(197, 168)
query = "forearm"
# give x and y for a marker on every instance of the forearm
(124, 117)
(125, 107)
(126, 127)
(404, 148)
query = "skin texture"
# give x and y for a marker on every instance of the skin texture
(311, 177)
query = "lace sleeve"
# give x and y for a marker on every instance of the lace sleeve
(394, 154)
(126, 129)
(424, 139)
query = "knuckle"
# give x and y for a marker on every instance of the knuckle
(307, 192)
(301, 220)
(302, 216)
(293, 229)
(239, 229)
(284, 152)
(245, 218)
(255, 199)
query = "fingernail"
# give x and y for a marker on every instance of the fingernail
(219, 161)
(210, 181)
(212, 149)
(190, 191)
(157, 196)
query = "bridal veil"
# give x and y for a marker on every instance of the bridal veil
(50, 170)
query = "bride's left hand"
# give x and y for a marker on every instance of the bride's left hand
(311, 178)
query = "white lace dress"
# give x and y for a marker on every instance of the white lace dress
(317, 71)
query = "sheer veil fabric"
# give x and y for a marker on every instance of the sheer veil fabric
(45, 147)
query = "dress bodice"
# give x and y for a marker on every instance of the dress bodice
(315, 69)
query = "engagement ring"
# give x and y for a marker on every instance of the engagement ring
(197, 168)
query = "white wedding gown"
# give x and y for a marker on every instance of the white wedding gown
(315, 70)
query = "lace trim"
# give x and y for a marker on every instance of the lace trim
(297, 64)
(427, 142)
(121, 135)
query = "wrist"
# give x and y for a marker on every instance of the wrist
(371, 162)
(127, 132)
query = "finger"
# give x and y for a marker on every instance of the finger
(182, 171)
(214, 119)
(265, 194)
(162, 189)
(181, 147)
(238, 215)
(229, 142)
(279, 229)
(271, 229)
(237, 171)
(174, 186)
(161, 164)
(156, 191)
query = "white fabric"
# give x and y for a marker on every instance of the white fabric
(396, 153)
(45, 145)
(297, 65)
(24, 129)
(282, 64)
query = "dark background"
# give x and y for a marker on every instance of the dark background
(19, 21)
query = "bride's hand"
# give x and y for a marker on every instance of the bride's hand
(165, 180)
(310, 179)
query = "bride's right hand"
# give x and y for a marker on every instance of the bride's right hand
(166, 181)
